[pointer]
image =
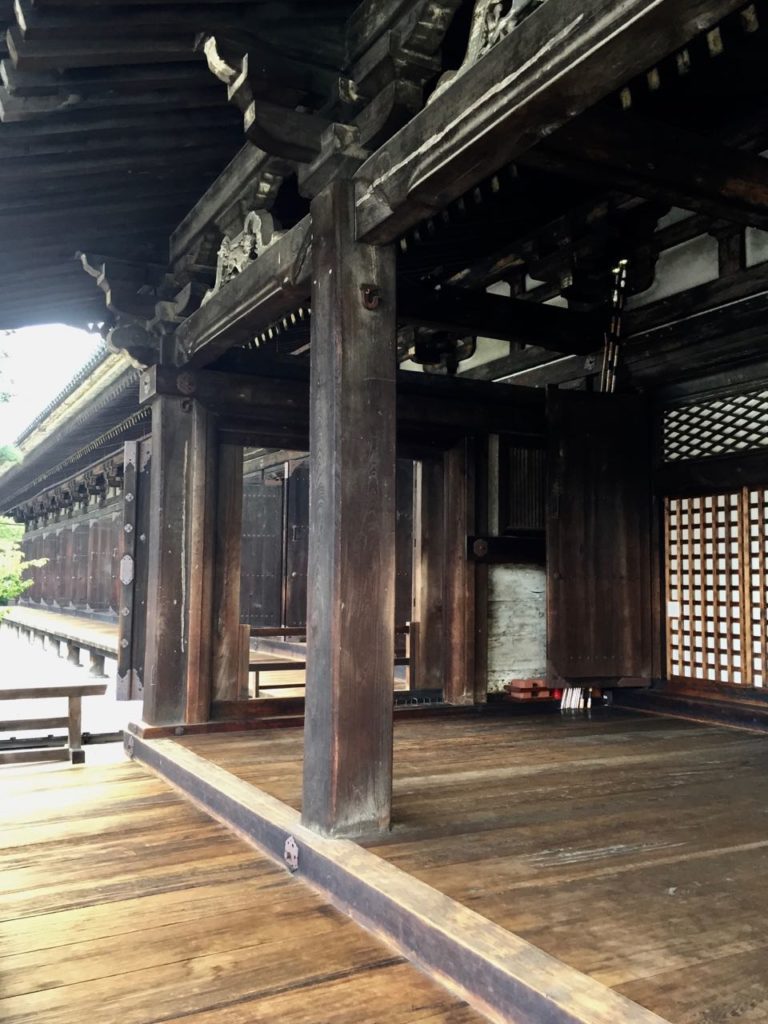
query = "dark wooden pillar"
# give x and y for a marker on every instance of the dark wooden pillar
(428, 547)
(229, 683)
(459, 579)
(350, 625)
(178, 659)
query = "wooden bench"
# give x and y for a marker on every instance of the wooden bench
(261, 661)
(74, 692)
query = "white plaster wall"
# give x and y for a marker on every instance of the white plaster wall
(517, 630)
(757, 246)
(681, 267)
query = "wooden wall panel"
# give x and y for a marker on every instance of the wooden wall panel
(296, 543)
(598, 537)
(261, 583)
(403, 548)
(141, 564)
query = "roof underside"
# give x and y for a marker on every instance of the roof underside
(112, 127)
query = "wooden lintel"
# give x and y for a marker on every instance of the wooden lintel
(494, 316)
(559, 61)
(426, 404)
(269, 288)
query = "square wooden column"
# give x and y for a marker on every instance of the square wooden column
(350, 614)
(177, 683)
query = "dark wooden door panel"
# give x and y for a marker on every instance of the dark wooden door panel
(598, 536)
(261, 578)
(403, 548)
(296, 543)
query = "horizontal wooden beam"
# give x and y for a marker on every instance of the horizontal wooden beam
(515, 362)
(494, 316)
(269, 288)
(659, 161)
(435, 410)
(711, 476)
(558, 62)
(28, 724)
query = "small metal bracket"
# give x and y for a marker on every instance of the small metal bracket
(128, 742)
(480, 547)
(371, 296)
(291, 854)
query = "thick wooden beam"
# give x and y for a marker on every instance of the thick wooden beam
(559, 61)
(660, 162)
(226, 600)
(459, 575)
(268, 289)
(493, 316)
(350, 614)
(433, 410)
(177, 660)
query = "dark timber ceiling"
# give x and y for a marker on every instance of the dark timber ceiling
(112, 126)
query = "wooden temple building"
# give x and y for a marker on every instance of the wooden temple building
(434, 388)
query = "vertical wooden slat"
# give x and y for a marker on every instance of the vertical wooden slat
(226, 601)
(459, 578)
(693, 629)
(480, 526)
(671, 590)
(761, 622)
(745, 587)
(75, 730)
(350, 624)
(428, 573)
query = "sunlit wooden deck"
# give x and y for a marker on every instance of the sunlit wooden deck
(632, 848)
(122, 902)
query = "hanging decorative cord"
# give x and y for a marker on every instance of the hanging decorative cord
(612, 350)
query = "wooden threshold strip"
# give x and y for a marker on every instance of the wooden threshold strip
(495, 971)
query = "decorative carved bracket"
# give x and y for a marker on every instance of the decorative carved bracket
(260, 230)
(492, 21)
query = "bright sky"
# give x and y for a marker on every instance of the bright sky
(40, 362)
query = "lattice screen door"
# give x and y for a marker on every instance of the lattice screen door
(717, 597)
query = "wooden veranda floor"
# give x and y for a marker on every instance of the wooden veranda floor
(633, 848)
(122, 902)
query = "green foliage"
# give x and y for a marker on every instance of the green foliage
(9, 454)
(4, 395)
(13, 565)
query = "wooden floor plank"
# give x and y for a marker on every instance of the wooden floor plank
(106, 920)
(631, 848)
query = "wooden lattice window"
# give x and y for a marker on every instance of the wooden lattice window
(719, 426)
(757, 511)
(717, 595)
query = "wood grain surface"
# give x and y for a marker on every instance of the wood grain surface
(120, 901)
(631, 848)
